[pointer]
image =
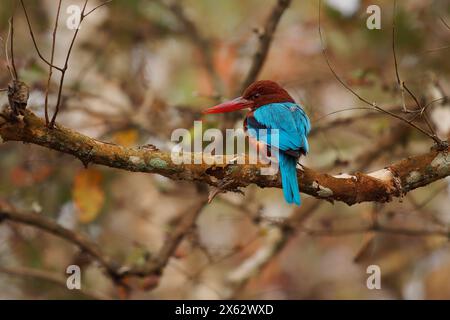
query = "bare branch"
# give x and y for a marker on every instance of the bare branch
(50, 277)
(50, 72)
(437, 49)
(188, 219)
(376, 229)
(327, 60)
(115, 271)
(66, 65)
(445, 23)
(13, 63)
(438, 141)
(8, 63)
(97, 7)
(265, 39)
(8, 212)
(34, 39)
(275, 241)
(400, 83)
(379, 186)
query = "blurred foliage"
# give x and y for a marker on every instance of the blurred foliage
(136, 74)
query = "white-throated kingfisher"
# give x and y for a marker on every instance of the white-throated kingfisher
(271, 107)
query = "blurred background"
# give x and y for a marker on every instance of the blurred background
(141, 69)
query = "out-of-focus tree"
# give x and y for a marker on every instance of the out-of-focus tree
(137, 70)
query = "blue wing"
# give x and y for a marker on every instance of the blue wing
(293, 127)
(291, 121)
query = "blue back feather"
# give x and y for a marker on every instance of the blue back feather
(293, 128)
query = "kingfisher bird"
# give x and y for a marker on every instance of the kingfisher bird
(271, 107)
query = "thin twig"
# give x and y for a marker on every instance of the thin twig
(8, 63)
(97, 7)
(50, 72)
(419, 107)
(426, 107)
(376, 229)
(372, 104)
(50, 277)
(327, 60)
(13, 63)
(437, 49)
(34, 39)
(445, 23)
(400, 83)
(7, 212)
(403, 85)
(260, 55)
(66, 65)
(265, 40)
(188, 219)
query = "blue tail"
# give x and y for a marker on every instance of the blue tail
(289, 178)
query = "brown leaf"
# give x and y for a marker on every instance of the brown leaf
(88, 194)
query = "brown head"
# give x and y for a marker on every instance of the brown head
(256, 95)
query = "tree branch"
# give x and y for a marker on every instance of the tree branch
(117, 272)
(50, 277)
(159, 262)
(8, 212)
(265, 39)
(394, 181)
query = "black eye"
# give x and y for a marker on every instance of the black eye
(256, 95)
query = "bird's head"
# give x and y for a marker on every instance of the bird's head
(256, 95)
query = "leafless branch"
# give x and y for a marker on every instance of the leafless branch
(401, 84)
(8, 63)
(13, 63)
(50, 277)
(188, 219)
(445, 23)
(376, 229)
(97, 7)
(50, 72)
(30, 29)
(439, 142)
(275, 241)
(265, 39)
(63, 70)
(115, 271)
(379, 186)
(7, 212)
(66, 65)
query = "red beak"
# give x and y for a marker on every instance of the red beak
(233, 105)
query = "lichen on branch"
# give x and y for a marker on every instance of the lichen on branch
(381, 186)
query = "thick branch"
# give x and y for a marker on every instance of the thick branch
(381, 186)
